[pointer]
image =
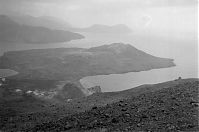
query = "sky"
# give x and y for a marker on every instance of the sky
(160, 17)
(88, 12)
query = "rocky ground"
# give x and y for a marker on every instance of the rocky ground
(171, 106)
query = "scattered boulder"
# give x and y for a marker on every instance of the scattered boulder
(115, 120)
(94, 107)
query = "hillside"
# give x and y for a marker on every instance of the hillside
(72, 64)
(13, 32)
(169, 109)
(45, 89)
(169, 106)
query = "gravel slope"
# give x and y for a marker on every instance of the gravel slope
(169, 109)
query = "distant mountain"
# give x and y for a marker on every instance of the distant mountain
(96, 89)
(59, 24)
(97, 28)
(74, 63)
(13, 32)
(43, 21)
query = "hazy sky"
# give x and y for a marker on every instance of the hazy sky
(162, 17)
(87, 12)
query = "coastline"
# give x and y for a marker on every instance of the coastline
(7, 73)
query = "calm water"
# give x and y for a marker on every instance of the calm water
(184, 52)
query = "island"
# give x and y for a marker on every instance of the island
(69, 65)
(72, 64)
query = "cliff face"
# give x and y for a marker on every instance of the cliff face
(74, 63)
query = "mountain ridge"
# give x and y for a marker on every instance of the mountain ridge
(59, 24)
(42, 21)
(14, 32)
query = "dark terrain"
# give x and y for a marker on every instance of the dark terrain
(72, 64)
(169, 106)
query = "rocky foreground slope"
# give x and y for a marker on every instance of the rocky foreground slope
(170, 106)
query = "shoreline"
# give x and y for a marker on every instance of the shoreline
(82, 82)
(7, 73)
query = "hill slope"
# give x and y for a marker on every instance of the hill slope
(16, 33)
(169, 109)
(169, 106)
